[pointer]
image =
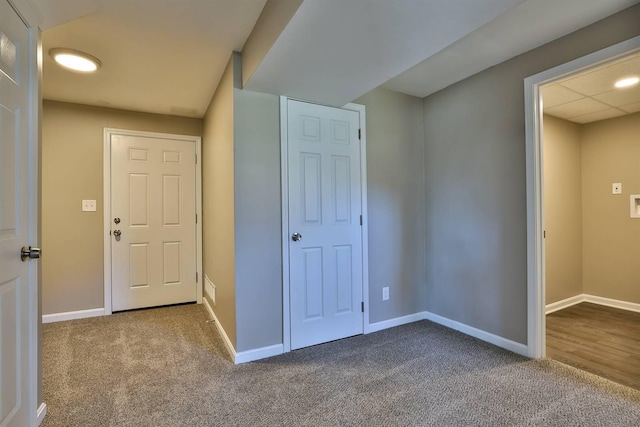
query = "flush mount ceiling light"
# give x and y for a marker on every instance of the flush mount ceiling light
(630, 81)
(75, 60)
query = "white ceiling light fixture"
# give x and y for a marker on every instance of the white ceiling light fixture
(75, 60)
(627, 82)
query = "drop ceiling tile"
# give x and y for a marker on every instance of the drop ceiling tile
(619, 97)
(576, 108)
(554, 95)
(631, 108)
(600, 115)
(602, 79)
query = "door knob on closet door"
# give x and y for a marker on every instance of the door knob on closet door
(296, 237)
(29, 253)
(117, 233)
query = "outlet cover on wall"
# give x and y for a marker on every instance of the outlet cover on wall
(88, 206)
(385, 293)
(616, 188)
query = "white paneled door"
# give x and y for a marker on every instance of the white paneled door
(153, 221)
(325, 207)
(18, 291)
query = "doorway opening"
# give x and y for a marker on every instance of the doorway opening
(583, 175)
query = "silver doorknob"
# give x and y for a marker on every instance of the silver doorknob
(116, 220)
(117, 233)
(296, 237)
(29, 252)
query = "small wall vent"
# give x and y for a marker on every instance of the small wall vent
(634, 203)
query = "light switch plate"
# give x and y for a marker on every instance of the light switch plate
(385, 293)
(88, 206)
(616, 188)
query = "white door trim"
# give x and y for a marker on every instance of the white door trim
(284, 179)
(284, 183)
(108, 132)
(534, 170)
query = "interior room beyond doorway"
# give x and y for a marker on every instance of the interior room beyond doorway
(591, 180)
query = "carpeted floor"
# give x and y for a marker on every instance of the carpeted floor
(168, 367)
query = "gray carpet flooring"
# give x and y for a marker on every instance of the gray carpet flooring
(168, 367)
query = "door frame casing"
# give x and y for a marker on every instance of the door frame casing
(536, 324)
(108, 132)
(284, 181)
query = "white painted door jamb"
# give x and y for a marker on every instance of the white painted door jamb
(535, 191)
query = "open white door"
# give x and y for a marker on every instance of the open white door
(18, 177)
(325, 208)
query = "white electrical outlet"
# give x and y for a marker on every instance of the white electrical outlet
(616, 188)
(88, 206)
(385, 293)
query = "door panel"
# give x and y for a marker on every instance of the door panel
(324, 207)
(16, 319)
(153, 194)
(344, 284)
(341, 180)
(313, 283)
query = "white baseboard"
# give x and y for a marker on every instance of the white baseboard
(398, 321)
(223, 334)
(562, 304)
(609, 302)
(258, 353)
(42, 412)
(243, 356)
(461, 327)
(477, 333)
(622, 305)
(72, 315)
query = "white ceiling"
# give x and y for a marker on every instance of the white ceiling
(167, 56)
(333, 51)
(591, 96)
(159, 56)
(522, 28)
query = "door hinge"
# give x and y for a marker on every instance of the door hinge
(196, 218)
(359, 133)
(362, 306)
(196, 277)
(196, 159)
(361, 220)
(544, 234)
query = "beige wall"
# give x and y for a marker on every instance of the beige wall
(475, 166)
(611, 153)
(258, 229)
(562, 209)
(72, 240)
(242, 218)
(396, 203)
(592, 242)
(218, 197)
